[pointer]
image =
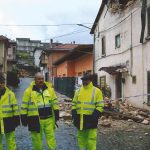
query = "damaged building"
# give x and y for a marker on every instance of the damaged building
(122, 50)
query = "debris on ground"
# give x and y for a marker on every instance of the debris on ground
(122, 110)
(65, 105)
(113, 110)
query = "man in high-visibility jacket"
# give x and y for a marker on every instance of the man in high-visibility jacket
(87, 106)
(9, 115)
(40, 111)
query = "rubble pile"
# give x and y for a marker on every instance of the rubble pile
(113, 110)
(65, 110)
(115, 6)
(122, 110)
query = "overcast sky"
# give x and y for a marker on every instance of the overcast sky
(48, 12)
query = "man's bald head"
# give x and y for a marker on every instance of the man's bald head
(39, 79)
(38, 74)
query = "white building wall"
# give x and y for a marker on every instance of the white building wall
(132, 53)
(37, 55)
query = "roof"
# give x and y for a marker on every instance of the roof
(122, 3)
(62, 47)
(5, 39)
(23, 39)
(98, 15)
(114, 69)
(46, 47)
(65, 47)
(75, 53)
(12, 42)
(35, 41)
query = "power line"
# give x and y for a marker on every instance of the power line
(67, 34)
(70, 33)
(41, 25)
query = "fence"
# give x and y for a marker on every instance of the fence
(65, 85)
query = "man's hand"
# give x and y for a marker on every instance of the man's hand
(96, 114)
(74, 113)
(56, 112)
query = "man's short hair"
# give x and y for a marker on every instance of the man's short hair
(86, 77)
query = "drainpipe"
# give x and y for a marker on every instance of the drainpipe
(122, 84)
(94, 55)
(131, 51)
(143, 72)
(143, 19)
(143, 22)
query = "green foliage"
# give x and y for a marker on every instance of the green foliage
(22, 55)
(106, 91)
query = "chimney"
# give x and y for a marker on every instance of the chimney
(51, 43)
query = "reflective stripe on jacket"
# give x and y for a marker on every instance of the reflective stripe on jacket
(33, 101)
(9, 112)
(86, 100)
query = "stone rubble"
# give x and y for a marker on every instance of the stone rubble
(122, 110)
(118, 110)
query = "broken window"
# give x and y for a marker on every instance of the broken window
(117, 41)
(148, 20)
(103, 46)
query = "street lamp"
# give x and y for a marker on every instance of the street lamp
(84, 26)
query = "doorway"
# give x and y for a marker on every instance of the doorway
(119, 85)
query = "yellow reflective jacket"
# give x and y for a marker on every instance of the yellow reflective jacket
(86, 101)
(33, 101)
(9, 112)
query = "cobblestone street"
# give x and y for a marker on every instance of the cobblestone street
(131, 136)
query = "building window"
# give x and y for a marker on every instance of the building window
(117, 41)
(103, 46)
(102, 82)
(134, 79)
(148, 20)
